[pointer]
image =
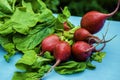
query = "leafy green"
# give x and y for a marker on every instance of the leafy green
(27, 60)
(48, 55)
(9, 47)
(2, 15)
(66, 12)
(25, 76)
(12, 4)
(64, 16)
(35, 66)
(98, 56)
(20, 22)
(34, 75)
(43, 61)
(34, 38)
(5, 6)
(70, 67)
(28, 24)
(25, 28)
(90, 65)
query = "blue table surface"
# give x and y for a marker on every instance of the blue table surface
(107, 70)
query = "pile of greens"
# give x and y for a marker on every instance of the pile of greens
(23, 25)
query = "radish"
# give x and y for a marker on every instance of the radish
(49, 43)
(81, 51)
(62, 52)
(66, 27)
(82, 34)
(93, 21)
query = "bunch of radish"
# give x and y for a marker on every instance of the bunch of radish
(83, 39)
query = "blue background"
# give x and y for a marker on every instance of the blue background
(107, 70)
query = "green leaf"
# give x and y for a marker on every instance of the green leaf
(34, 38)
(18, 76)
(30, 61)
(44, 69)
(64, 16)
(70, 67)
(10, 48)
(4, 40)
(90, 65)
(2, 15)
(48, 55)
(5, 7)
(20, 22)
(12, 3)
(38, 5)
(27, 60)
(31, 75)
(40, 62)
(98, 56)
(25, 76)
(38, 32)
(66, 12)
(28, 6)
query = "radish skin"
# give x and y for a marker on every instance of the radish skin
(93, 21)
(81, 51)
(49, 43)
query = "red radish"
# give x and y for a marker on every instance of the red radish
(62, 52)
(81, 51)
(82, 34)
(49, 43)
(66, 27)
(93, 21)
